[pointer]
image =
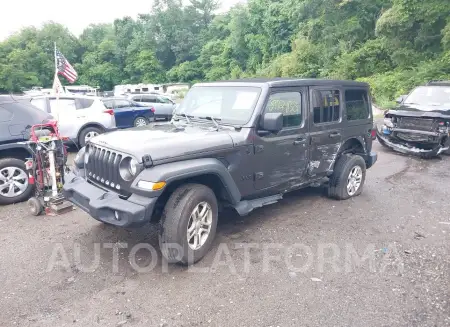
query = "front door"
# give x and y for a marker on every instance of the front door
(281, 158)
(325, 128)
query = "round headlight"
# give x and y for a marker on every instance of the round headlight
(133, 166)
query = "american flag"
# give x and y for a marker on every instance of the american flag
(65, 68)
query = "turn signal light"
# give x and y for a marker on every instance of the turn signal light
(151, 186)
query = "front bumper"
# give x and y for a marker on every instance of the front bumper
(405, 148)
(108, 207)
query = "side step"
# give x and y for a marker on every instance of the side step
(245, 207)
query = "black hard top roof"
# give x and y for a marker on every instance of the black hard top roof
(438, 83)
(285, 82)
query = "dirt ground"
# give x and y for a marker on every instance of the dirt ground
(381, 259)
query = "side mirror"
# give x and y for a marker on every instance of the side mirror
(272, 122)
(400, 99)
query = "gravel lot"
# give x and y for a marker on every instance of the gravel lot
(400, 223)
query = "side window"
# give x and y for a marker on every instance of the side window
(289, 104)
(122, 103)
(148, 99)
(82, 103)
(5, 115)
(62, 104)
(137, 99)
(326, 106)
(357, 104)
(41, 103)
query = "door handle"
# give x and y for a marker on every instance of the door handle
(334, 135)
(300, 141)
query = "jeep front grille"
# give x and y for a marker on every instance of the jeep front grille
(420, 124)
(103, 168)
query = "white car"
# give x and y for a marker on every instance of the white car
(79, 117)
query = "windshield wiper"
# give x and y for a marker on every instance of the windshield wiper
(214, 120)
(186, 117)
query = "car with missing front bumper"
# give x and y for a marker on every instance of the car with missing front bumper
(238, 144)
(420, 125)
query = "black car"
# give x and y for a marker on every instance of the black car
(16, 118)
(239, 144)
(420, 125)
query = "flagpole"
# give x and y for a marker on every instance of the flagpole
(56, 76)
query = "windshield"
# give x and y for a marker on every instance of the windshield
(433, 96)
(229, 104)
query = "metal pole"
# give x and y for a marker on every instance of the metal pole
(57, 93)
(51, 157)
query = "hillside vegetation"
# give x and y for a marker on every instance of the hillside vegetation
(392, 44)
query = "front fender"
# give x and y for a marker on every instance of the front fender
(175, 171)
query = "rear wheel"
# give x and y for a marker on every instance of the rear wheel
(188, 224)
(87, 134)
(14, 185)
(140, 121)
(348, 177)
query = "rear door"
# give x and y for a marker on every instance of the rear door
(359, 116)
(281, 158)
(325, 127)
(123, 111)
(64, 110)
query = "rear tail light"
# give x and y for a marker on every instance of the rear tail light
(109, 111)
(373, 133)
(152, 109)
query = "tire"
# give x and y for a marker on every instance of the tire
(17, 165)
(176, 217)
(346, 164)
(140, 119)
(85, 132)
(35, 206)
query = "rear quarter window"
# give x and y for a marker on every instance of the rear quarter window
(83, 103)
(357, 104)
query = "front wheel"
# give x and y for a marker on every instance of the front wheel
(188, 224)
(348, 177)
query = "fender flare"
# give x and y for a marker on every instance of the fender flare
(17, 145)
(176, 171)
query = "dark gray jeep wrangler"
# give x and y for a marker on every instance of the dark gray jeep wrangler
(239, 144)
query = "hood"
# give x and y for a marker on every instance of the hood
(162, 141)
(411, 110)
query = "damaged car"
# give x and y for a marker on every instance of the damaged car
(420, 125)
(237, 144)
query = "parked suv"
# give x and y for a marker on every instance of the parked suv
(16, 118)
(80, 117)
(420, 125)
(240, 144)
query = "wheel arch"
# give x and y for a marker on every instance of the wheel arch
(15, 151)
(209, 172)
(352, 145)
(90, 124)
